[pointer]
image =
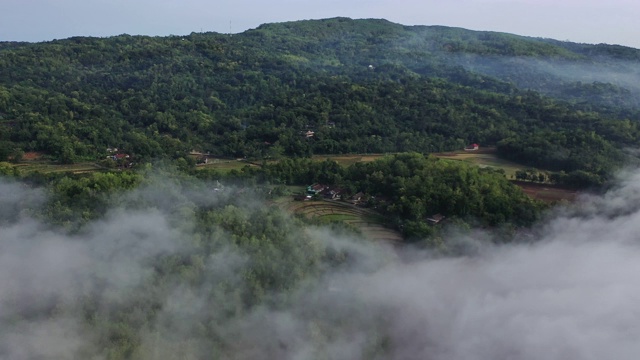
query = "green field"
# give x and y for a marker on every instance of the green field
(48, 167)
(225, 165)
(484, 159)
(347, 160)
(367, 221)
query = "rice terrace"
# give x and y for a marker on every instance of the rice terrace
(367, 221)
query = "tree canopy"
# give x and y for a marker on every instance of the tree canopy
(322, 86)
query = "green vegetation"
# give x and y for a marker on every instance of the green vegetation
(188, 262)
(224, 165)
(485, 159)
(261, 255)
(404, 189)
(409, 188)
(49, 166)
(282, 92)
(167, 251)
(366, 86)
(365, 221)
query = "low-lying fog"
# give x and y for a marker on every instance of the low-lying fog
(572, 293)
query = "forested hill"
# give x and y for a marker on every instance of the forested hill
(358, 85)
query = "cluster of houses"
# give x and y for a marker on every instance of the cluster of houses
(335, 193)
(115, 154)
(331, 193)
(325, 191)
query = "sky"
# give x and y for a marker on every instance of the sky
(586, 21)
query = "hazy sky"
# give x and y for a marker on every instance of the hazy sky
(590, 21)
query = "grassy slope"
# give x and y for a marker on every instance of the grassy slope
(484, 158)
(367, 221)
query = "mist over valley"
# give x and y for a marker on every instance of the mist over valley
(319, 189)
(204, 276)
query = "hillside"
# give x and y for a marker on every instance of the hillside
(358, 85)
(315, 190)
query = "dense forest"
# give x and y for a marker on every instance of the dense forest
(406, 188)
(157, 264)
(322, 87)
(165, 260)
(98, 291)
(160, 264)
(409, 188)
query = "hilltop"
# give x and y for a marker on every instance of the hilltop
(323, 87)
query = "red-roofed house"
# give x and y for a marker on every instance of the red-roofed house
(118, 157)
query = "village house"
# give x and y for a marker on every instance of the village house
(333, 193)
(435, 219)
(316, 189)
(202, 160)
(118, 156)
(472, 147)
(357, 198)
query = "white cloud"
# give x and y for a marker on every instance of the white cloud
(572, 294)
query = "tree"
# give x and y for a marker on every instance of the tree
(67, 154)
(542, 177)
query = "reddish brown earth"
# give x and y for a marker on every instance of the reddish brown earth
(546, 192)
(32, 155)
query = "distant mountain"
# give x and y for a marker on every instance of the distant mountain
(358, 85)
(557, 68)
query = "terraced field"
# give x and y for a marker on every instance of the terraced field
(367, 221)
(48, 167)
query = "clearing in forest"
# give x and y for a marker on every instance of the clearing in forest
(49, 167)
(487, 157)
(348, 159)
(367, 221)
(546, 192)
(224, 165)
(484, 157)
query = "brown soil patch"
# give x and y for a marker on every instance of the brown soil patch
(32, 155)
